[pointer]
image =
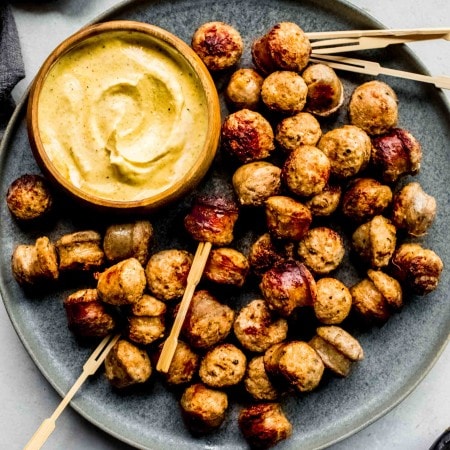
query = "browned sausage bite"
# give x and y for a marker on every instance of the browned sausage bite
(284, 92)
(375, 241)
(287, 286)
(321, 250)
(299, 129)
(218, 44)
(247, 135)
(413, 209)
(146, 322)
(395, 154)
(257, 328)
(333, 302)
(264, 425)
(87, 315)
(257, 383)
(212, 219)
(287, 218)
(208, 321)
(325, 90)
(226, 266)
(203, 408)
(255, 182)
(29, 197)
(365, 198)
(285, 46)
(122, 284)
(184, 365)
(418, 268)
(297, 363)
(348, 148)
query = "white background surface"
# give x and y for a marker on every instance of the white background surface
(27, 398)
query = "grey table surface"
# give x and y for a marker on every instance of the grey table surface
(26, 396)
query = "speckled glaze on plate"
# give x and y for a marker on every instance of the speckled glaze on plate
(398, 354)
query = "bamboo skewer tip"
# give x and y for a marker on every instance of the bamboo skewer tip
(89, 368)
(195, 274)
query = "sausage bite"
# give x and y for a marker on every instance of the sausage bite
(306, 171)
(337, 349)
(287, 218)
(333, 301)
(297, 363)
(80, 251)
(244, 89)
(247, 135)
(348, 148)
(167, 273)
(325, 202)
(257, 328)
(373, 107)
(126, 365)
(203, 408)
(212, 219)
(321, 250)
(365, 198)
(325, 90)
(284, 92)
(413, 209)
(87, 315)
(395, 154)
(284, 47)
(122, 284)
(375, 241)
(376, 297)
(207, 322)
(264, 253)
(128, 240)
(226, 266)
(146, 322)
(300, 129)
(29, 198)
(33, 264)
(287, 286)
(418, 268)
(264, 424)
(257, 383)
(218, 44)
(255, 182)
(223, 366)
(184, 365)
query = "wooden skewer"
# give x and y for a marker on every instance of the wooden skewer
(90, 367)
(340, 45)
(373, 68)
(383, 32)
(195, 274)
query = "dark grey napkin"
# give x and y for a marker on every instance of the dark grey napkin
(11, 64)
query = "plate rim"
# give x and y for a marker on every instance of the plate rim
(76, 404)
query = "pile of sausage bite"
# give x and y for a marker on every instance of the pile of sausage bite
(350, 171)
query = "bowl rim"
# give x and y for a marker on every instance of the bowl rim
(206, 156)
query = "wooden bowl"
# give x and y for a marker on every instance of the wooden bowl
(124, 134)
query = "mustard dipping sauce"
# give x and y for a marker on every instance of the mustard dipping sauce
(122, 116)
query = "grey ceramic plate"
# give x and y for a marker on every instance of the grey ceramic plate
(398, 354)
